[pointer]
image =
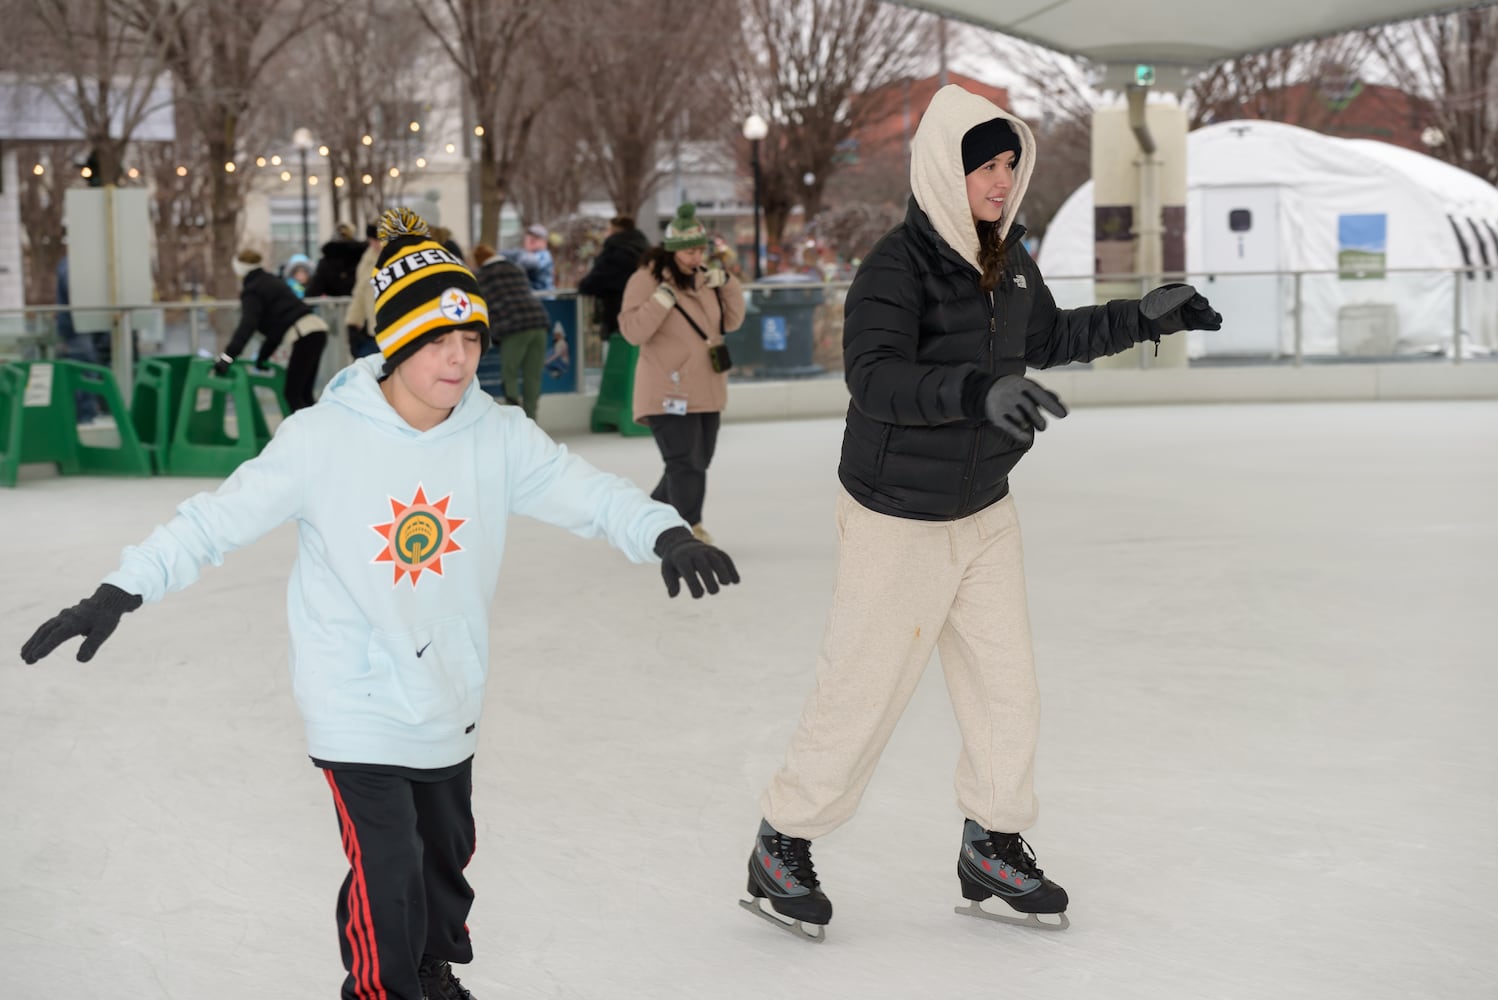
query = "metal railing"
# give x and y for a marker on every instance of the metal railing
(1404, 314)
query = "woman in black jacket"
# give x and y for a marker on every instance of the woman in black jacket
(944, 317)
(268, 305)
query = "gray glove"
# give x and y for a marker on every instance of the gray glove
(1176, 307)
(1013, 405)
(94, 618)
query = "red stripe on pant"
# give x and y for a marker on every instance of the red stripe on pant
(360, 929)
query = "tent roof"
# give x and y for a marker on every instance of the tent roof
(1204, 31)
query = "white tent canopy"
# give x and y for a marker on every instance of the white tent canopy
(1111, 31)
(1268, 197)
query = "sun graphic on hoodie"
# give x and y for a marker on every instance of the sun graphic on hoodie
(418, 535)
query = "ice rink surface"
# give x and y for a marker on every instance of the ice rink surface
(1267, 639)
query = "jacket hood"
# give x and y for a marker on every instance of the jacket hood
(357, 387)
(937, 180)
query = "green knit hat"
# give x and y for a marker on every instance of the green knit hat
(684, 232)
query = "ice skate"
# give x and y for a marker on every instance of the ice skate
(438, 981)
(1002, 865)
(780, 870)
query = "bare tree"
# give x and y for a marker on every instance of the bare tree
(1451, 60)
(497, 47)
(806, 65)
(106, 73)
(650, 64)
(1284, 84)
(222, 54)
(549, 182)
(363, 73)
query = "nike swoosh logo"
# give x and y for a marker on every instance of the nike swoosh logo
(423, 649)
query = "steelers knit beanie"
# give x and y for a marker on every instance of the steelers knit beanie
(421, 289)
(684, 232)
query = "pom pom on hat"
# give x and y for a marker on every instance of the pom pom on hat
(400, 222)
(421, 289)
(684, 232)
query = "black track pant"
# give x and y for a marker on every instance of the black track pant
(405, 896)
(301, 369)
(687, 443)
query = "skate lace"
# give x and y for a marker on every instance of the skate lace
(795, 854)
(1015, 852)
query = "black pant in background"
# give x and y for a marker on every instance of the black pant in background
(687, 444)
(301, 369)
(405, 896)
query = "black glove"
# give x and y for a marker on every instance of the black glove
(1176, 307)
(355, 338)
(1013, 405)
(94, 618)
(683, 557)
(221, 366)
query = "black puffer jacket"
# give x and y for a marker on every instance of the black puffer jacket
(615, 264)
(922, 343)
(269, 305)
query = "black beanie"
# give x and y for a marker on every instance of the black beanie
(983, 142)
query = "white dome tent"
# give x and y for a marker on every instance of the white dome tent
(1264, 196)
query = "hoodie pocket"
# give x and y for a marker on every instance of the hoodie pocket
(429, 675)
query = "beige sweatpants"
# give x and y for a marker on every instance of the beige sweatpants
(904, 586)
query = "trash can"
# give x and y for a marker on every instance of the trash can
(778, 337)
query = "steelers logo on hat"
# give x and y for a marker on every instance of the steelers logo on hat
(456, 305)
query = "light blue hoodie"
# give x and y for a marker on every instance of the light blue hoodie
(400, 538)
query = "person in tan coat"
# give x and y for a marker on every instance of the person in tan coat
(677, 311)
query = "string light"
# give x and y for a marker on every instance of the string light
(229, 167)
(421, 161)
(368, 140)
(312, 180)
(367, 179)
(87, 172)
(416, 126)
(322, 150)
(38, 170)
(478, 130)
(395, 171)
(259, 161)
(338, 182)
(451, 148)
(134, 173)
(181, 171)
(275, 161)
(286, 175)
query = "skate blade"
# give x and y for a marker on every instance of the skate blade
(794, 928)
(972, 909)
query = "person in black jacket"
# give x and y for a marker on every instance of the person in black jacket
(944, 316)
(268, 304)
(338, 267)
(616, 263)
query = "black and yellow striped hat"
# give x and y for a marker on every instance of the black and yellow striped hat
(421, 289)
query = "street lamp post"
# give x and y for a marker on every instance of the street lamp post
(755, 129)
(302, 140)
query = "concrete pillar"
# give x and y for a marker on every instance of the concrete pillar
(1140, 211)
